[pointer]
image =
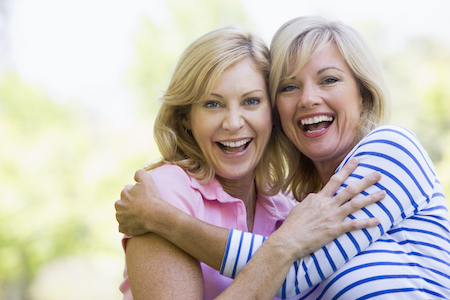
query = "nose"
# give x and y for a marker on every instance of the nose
(309, 97)
(233, 120)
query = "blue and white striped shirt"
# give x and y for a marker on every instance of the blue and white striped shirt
(407, 256)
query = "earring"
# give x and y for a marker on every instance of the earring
(188, 131)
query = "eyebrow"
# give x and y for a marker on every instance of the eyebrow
(323, 70)
(327, 68)
(217, 95)
(244, 95)
(257, 90)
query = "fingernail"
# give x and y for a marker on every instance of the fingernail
(377, 175)
(353, 161)
(382, 193)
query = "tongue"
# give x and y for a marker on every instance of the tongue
(317, 126)
(234, 149)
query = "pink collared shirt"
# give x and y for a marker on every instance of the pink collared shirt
(210, 203)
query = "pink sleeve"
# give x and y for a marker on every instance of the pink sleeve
(174, 186)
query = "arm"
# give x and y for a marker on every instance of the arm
(408, 179)
(141, 205)
(157, 269)
(141, 210)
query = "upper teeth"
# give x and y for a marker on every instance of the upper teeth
(316, 119)
(235, 144)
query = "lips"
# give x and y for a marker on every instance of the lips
(315, 124)
(235, 146)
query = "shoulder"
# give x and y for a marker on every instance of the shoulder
(391, 140)
(393, 146)
(391, 133)
(174, 186)
(170, 173)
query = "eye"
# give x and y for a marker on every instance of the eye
(289, 88)
(252, 101)
(211, 104)
(330, 80)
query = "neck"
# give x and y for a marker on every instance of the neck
(327, 167)
(325, 170)
(244, 189)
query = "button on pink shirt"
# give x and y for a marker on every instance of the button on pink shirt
(210, 203)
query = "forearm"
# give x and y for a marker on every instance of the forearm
(403, 197)
(141, 210)
(264, 273)
(203, 241)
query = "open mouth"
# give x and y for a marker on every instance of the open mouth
(316, 124)
(234, 147)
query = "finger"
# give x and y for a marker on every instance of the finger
(360, 202)
(356, 224)
(116, 205)
(125, 190)
(338, 178)
(140, 175)
(147, 180)
(357, 187)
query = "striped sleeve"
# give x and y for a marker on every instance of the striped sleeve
(408, 177)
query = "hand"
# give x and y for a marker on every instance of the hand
(319, 218)
(135, 210)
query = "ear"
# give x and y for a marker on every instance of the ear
(362, 99)
(186, 122)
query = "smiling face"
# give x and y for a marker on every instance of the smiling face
(233, 125)
(320, 109)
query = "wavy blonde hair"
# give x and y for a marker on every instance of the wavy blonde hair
(194, 77)
(292, 47)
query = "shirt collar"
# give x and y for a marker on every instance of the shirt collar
(276, 205)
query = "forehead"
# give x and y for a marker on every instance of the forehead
(324, 57)
(243, 74)
(329, 54)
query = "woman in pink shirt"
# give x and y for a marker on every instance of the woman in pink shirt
(214, 131)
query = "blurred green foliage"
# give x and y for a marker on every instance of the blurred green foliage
(62, 166)
(159, 45)
(58, 177)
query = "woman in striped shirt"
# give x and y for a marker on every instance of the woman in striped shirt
(331, 99)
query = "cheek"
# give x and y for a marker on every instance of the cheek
(286, 118)
(284, 111)
(202, 134)
(263, 130)
(266, 131)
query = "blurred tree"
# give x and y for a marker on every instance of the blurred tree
(61, 170)
(416, 71)
(433, 121)
(421, 97)
(159, 44)
(62, 167)
(35, 156)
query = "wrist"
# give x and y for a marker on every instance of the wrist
(288, 242)
(160, 218)
(281, 248)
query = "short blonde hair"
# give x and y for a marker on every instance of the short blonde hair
(292, 47)
(194, 77)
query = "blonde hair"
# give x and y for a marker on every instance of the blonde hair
(194, 77)
(292, 47)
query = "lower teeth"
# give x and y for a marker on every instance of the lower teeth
(312, 131)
